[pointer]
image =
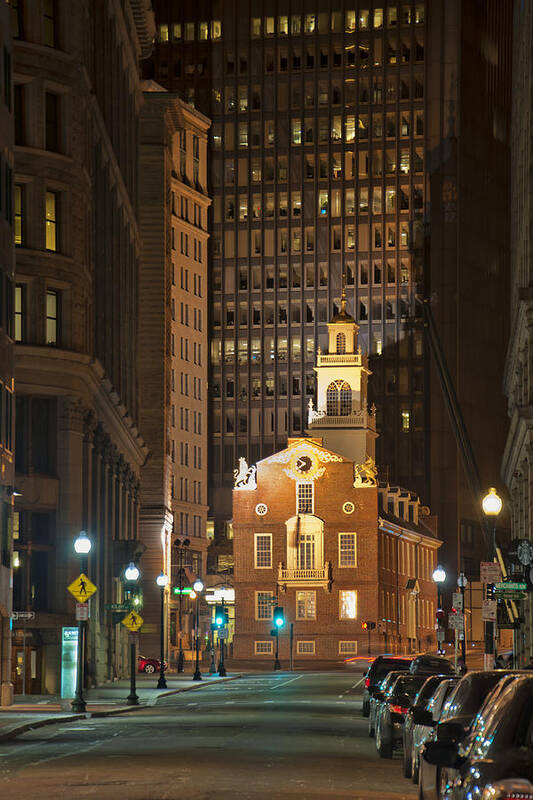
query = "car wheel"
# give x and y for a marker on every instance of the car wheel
(384, 748)
(366, 708)
(371, 729)
(149, 669)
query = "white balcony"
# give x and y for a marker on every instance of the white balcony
(317, 576)
(361, 419)
(350, 359)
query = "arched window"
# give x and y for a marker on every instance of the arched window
(338, 399)
(341, 343)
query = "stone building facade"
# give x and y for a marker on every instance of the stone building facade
(79, 452)
(6, 352)
(517, 464)
(172, 354)
(316, 534)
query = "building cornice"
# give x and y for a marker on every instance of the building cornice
(53, 372)
(410, 536)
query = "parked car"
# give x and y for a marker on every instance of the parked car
(431, 665)
(150, 665)
(426, 692)
(377, 671)
(376, 698)
(426, 719)
(500, 744)
(508, 790)
(392, 711)
(460, 710)
(478, 725)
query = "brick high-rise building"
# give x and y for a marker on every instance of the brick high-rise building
(369, 139)
(173, 351)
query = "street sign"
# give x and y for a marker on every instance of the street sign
(133, 621)
(456, 621)
(184, 590)
(82, 612)
(516, 586)
(489, 572)
(509, 594)
(457, 601)
(82, 588)
(22, 615)
(117, 606)
(489, 610)
(222, 633)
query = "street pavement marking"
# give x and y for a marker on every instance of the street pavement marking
(285, 683)
(358, 683)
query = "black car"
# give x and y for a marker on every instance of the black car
(499, 744)
(377, 671)
(377, 696)
(455, 720)
(392, 711)
(425, 693)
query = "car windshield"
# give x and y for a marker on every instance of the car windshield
(434, 665)
(406, 685)
(388, 680)
(480, 721)
(442, 692)
(384, 667)
(469, 694)
(427, 690)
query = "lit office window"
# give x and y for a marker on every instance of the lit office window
(18, 214)
(51, 222)
(347, 604)
(20, 312)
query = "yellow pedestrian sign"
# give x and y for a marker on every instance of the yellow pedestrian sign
(133, 621)
(82, 588)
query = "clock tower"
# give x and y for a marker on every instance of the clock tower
(342, 417)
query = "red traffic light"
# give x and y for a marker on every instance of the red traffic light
(364, 626)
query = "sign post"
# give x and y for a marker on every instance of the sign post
(81, 589)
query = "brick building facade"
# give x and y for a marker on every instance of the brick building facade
(315, 533)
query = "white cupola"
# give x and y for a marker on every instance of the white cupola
(342, 417)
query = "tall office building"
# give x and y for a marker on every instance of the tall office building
(360, 139)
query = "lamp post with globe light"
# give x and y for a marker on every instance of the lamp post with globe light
(82, 546)
(131, 575)
(439, 577)
(492, 505)
(198, 588)
(162, 582)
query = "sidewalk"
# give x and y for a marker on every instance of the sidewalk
(34, 711)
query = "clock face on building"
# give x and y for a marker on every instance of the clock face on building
(303, 464)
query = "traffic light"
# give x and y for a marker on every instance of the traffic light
(368, 626)
(220, 616)
(279, 617)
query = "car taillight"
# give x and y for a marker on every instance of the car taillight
(367, 683)
(398, 709)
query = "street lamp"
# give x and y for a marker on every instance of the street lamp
(492, 505)
(180, 545)
(462, 583)
(82, 546)
(439, 576)
(131, 574)
(162, 582)
(198, 587)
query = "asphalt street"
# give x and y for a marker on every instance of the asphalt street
(265, 736)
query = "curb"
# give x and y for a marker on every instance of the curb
(39, 723)
(28, 726)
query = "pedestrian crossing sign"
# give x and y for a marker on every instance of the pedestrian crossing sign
(82, 588)
(133, 621)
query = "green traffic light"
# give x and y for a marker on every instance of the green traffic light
(279, 622)
(219, 620)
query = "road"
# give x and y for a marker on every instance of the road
(281, 736)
